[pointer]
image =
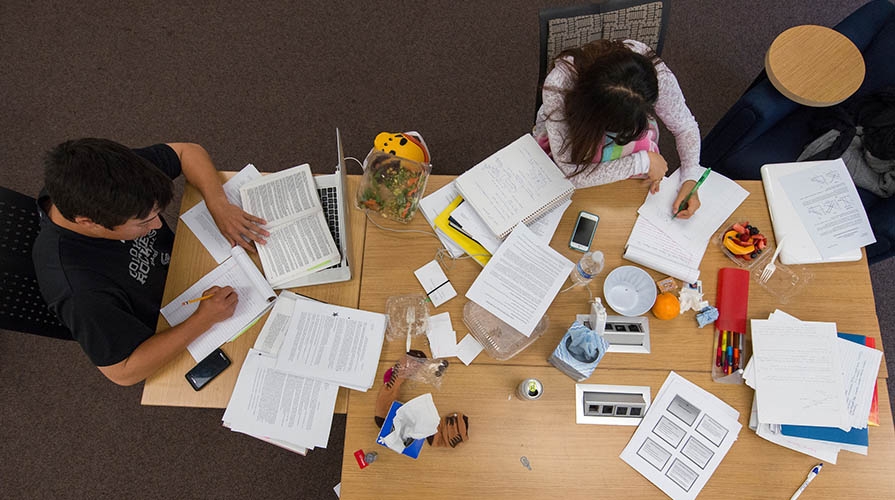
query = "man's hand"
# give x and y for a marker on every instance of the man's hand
(692, 204)
(239, 227)
(162, 347)
(219, 307)
(657, 168)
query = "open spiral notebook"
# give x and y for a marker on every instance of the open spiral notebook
(518, 183)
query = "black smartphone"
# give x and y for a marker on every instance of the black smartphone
(585, 227)
(207, 369)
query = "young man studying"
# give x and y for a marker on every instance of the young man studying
(102, 253)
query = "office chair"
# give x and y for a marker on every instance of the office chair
(566, 27)
(22, 308)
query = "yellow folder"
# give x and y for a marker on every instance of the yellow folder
(475, 250)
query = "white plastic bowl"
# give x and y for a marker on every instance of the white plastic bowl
(629, 291)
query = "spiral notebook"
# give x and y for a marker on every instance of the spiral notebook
(519, 183)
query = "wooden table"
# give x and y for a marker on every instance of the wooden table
(581, 461)
(189, 262)
(840, 292)
(814, 65)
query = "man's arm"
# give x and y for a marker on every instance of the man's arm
(239, 227)
(159, 349)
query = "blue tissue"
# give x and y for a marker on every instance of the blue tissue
(706, 315)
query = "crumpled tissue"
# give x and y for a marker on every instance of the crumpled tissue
(416, 419)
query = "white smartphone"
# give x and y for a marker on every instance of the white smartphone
(585, 227)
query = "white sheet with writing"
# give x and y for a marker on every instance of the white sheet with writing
(683, 437)
(718, 197)
(333, 343)
(521, 280)
(255, 297)
(798, 374)
(273, 404)
(826, 200)
(651, 247)
(201, 223)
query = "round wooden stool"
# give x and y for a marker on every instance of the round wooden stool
(814, 65)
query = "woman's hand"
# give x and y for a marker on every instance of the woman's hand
(692, 204)
(240, 228)
(657, 168)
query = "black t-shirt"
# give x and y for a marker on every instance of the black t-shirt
(107, 292)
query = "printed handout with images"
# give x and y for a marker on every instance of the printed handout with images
(683, 437)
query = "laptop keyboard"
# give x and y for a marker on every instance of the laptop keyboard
(330, 201)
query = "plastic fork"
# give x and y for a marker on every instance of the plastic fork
(769, 269)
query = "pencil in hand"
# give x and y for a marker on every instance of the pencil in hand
(197, 299)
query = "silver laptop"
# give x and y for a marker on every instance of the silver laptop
(332, 190)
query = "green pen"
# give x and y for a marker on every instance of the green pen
(683, 204)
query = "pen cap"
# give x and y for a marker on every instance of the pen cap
(733, 299)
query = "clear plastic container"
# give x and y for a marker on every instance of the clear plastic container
(392, 186)
(784, 284)
(500, 340)
(408, 316)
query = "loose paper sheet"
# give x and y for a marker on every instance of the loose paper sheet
(333, 343)
(201, 223)
(521, 280)
(827, 202)
(683, 437)
(798, 374)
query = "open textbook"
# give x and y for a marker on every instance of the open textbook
(255, 298)
(300, 242)
(676, 246)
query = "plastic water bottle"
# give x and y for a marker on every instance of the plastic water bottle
(590, 265)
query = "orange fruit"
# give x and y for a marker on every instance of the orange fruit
(667, 306)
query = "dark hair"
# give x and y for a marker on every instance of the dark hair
(615, 91)
(104, 181)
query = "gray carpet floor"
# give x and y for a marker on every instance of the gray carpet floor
(267, 83)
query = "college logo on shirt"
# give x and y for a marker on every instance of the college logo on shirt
(143, 257)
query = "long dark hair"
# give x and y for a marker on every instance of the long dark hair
(615, 91)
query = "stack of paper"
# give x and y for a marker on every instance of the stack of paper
(675, 246)
(287, 388)
(813, 388)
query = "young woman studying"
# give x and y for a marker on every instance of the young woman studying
(598, 118)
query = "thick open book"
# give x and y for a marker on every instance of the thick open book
(517, 184)
(255, 298)
(300, 242)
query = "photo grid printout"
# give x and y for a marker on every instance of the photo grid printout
(682, 439)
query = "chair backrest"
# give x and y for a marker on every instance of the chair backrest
(567, 27)
(22, 308)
